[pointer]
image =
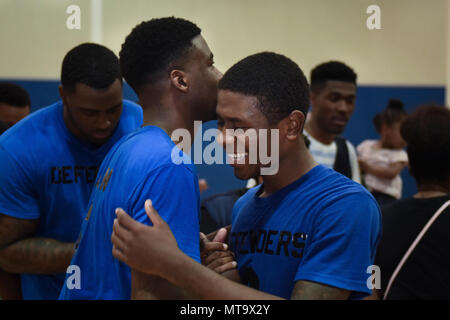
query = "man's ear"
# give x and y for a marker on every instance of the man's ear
(62, 93)
(294, 125)
(179, 80)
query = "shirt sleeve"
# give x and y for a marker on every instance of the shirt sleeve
(343, 245)
(174, 192)
(356, 175)
(17, 195)
(399, 156)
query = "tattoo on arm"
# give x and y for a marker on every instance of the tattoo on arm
(37, 256)
(308, 290)
(13, 229)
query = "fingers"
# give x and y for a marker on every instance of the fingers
(119, 255)
(221, 235)
(209, 247)
(118, 242)
(217, 255)
(125, 220)
(152, 214)
(226, 267)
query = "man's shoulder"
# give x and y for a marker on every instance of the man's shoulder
(332, 186)
(34, 132)
(148, 149)
(131, 108)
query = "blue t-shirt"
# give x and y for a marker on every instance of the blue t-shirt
(323, 228)
(137, 168)
(48, 174)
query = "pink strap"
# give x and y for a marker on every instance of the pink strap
(413, 246)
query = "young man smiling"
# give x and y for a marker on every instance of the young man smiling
(306, 233)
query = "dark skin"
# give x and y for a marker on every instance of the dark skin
(91, 115)
(187, 92)
(135, 243)
(10, 114)
(332, 107)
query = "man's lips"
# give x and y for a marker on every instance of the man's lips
(236, 158)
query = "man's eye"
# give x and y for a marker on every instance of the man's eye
(89, 112)
(114, 110)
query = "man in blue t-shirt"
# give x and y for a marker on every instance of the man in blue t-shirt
(173, 92)
(307, 232)
(48, 164)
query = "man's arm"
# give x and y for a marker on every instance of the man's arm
(308, 290)
(154, 250)
(37, 256)
(10, 288)
(19, 253)
(390, 172)
(147, 287)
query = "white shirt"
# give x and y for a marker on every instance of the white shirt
(371, 152)
(325, 154)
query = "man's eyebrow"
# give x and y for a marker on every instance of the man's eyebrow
(115, 106)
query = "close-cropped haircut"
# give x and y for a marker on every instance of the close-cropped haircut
(14, 95)
(277, 83)
(393, 113)
(331, 71)
(427, 133)
(91, 64)
(152, 46)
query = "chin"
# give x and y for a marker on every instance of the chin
(243, 173)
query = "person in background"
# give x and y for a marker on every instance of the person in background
(14, 103)
(216, 211)
(48, 165)
(425, 274)
(382, 161)
(333, 95)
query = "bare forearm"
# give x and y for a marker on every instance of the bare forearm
(386, 173)
(37, 256)
(203, 283)
(10, 286)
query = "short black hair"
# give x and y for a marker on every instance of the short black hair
(427, 133)
(14, 95)
(152, 46)
(91, 64)
(3, 127)
(332, 70)
(276, 81)
(394, 112)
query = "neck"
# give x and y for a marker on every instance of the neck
(292, 168)
(317, 133)
(164, 113)
(431, 190)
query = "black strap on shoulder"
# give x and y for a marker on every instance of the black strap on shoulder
(342, 161)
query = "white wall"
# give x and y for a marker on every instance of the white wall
(411, 48)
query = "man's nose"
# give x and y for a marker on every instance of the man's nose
(103, 121)
(224, 139)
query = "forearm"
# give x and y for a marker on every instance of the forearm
(10, 286)
(385, 173)
(37, 256)
(203, 283)
(147, 287)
